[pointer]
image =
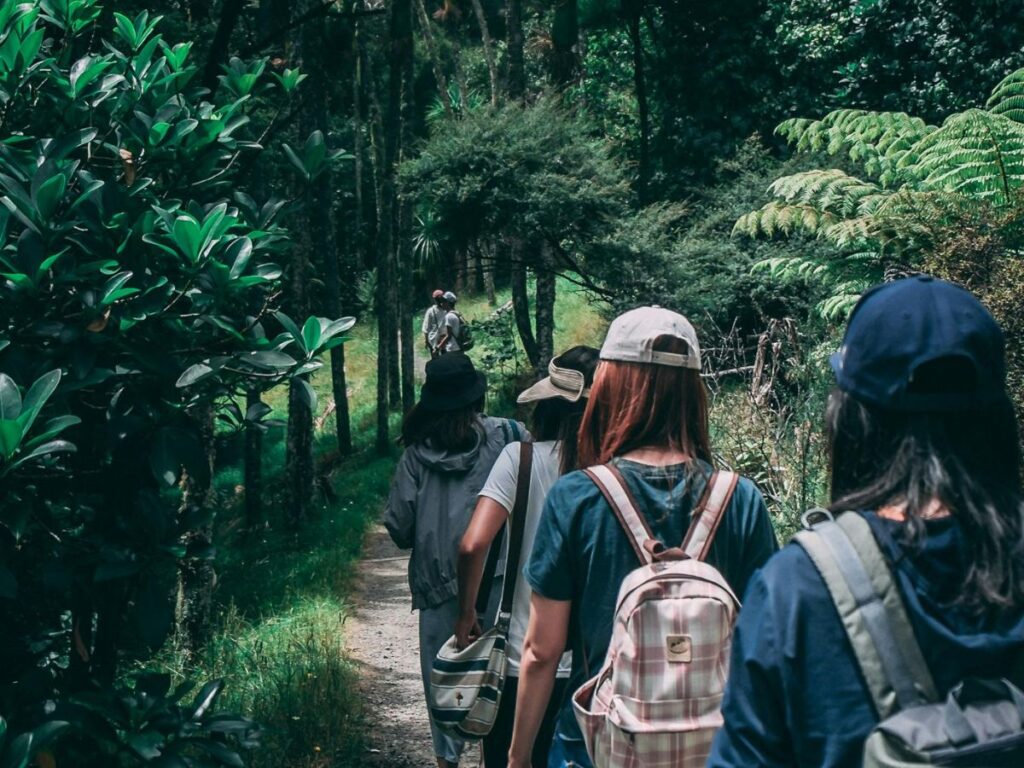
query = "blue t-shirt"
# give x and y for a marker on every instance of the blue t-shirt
(582, 554)
(795, 695)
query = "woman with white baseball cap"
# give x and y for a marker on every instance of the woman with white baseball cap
(647, 419)
(560, 400)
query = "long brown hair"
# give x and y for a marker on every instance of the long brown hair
(447, 430)
(633, 405)
(970, 461)
(557, 419)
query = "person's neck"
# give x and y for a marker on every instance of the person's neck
(656, 456)
(933, 510)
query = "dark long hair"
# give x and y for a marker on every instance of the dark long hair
(633, 405)
(558, 419)
(970, 461)
(447, 430)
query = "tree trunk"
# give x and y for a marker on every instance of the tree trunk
(565, 32)
(640, 86)
(521, 303)
(460, 73)
(400, 41)
(358, 147)
(476, 271)
(218, 52)
(488, 43)
(545, 312)
(492, 298)
(299, 439)
(460, 270)
(196, 572)
(435, 59)
(339, 385)
(253, 468)
(515, 76)
(407, 337)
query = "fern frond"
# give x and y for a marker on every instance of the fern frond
(876, 140)
(830, 191)
(781, 218)
(975, 153)
(1007, 97)
(841, 303)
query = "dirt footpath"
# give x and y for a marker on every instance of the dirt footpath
(382, 637)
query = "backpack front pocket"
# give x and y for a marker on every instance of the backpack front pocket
(663, 734)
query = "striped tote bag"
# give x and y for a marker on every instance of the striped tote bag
(466, 685)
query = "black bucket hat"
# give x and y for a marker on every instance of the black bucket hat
(452, 383)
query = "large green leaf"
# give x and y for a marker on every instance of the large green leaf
(50, 193)
(10, 398)
(46, 449)
(187, 235)
(10, 437)
(311, 334)
(36, 397)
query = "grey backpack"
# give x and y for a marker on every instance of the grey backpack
(980, 722)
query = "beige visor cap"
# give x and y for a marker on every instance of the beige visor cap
(566, 383)
(632, 334)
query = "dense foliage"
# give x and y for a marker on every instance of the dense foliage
(945, 199)
(138, 300)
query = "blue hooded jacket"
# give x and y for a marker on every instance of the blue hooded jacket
(795, 695)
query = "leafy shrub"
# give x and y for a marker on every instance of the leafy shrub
(138, 290)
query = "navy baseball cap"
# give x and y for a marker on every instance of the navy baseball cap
(922, 344)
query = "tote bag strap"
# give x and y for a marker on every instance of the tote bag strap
(518, 523)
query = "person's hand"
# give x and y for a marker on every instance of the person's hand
(467, 629)
(514, 763)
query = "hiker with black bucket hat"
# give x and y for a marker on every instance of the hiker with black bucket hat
(450, 447)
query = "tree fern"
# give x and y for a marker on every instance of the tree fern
(876, 140)
(1007, 97)
(975, 153)
(918, 181)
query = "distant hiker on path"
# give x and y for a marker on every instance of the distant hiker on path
(450, 447)
(646, 419)
(560, 400)
(433, 322)
(451, 328)
(925, 455)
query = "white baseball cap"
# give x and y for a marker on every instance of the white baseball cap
(449, 296)
(632, 334)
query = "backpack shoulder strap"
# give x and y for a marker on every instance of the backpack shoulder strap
(707, 515)
(870, 606)
(518, 523)
(511, 427)
(613, 487)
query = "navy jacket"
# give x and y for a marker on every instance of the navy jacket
(795, 695)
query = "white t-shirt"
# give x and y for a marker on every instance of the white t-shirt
(501, 487)
(432, 320)
(452, 322)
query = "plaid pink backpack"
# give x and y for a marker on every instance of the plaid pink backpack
(656, 701)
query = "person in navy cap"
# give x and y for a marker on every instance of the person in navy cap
(925, 448)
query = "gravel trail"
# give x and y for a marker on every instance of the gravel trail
(382, 639)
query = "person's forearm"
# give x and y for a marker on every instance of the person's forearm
(470, 573)
(536, 681)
